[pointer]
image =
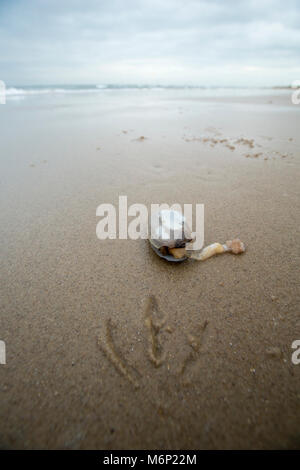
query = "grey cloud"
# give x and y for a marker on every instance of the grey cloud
(100, 41)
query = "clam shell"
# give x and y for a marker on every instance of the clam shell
(167, 257)
(169, 230)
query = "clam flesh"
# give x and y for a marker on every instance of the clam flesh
(171, 239)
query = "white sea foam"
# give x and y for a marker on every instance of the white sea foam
(22, 92)
(45, 91)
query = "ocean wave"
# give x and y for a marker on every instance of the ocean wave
(22, 92)
(46, 91)
(51, 90)
(81, 89)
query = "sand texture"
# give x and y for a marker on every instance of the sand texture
(111, 347)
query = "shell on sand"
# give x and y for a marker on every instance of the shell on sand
(170, 234)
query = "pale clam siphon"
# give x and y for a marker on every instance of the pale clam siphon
(170, 237)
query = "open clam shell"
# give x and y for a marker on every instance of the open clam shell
(167, 256)
(169, 231)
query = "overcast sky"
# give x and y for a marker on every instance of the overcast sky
(195, 42)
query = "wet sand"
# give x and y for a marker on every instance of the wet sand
(109, 346)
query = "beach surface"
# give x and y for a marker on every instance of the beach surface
(107, 345)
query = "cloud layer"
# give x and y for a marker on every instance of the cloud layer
(150, 42)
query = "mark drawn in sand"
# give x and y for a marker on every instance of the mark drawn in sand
(254, 155)
(195, 342)
(248, 142)
(142, 138)
(108, 347)
(125, 132)
(155, 321)
(33, 165)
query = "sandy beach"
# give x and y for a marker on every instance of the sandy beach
(107, 345)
